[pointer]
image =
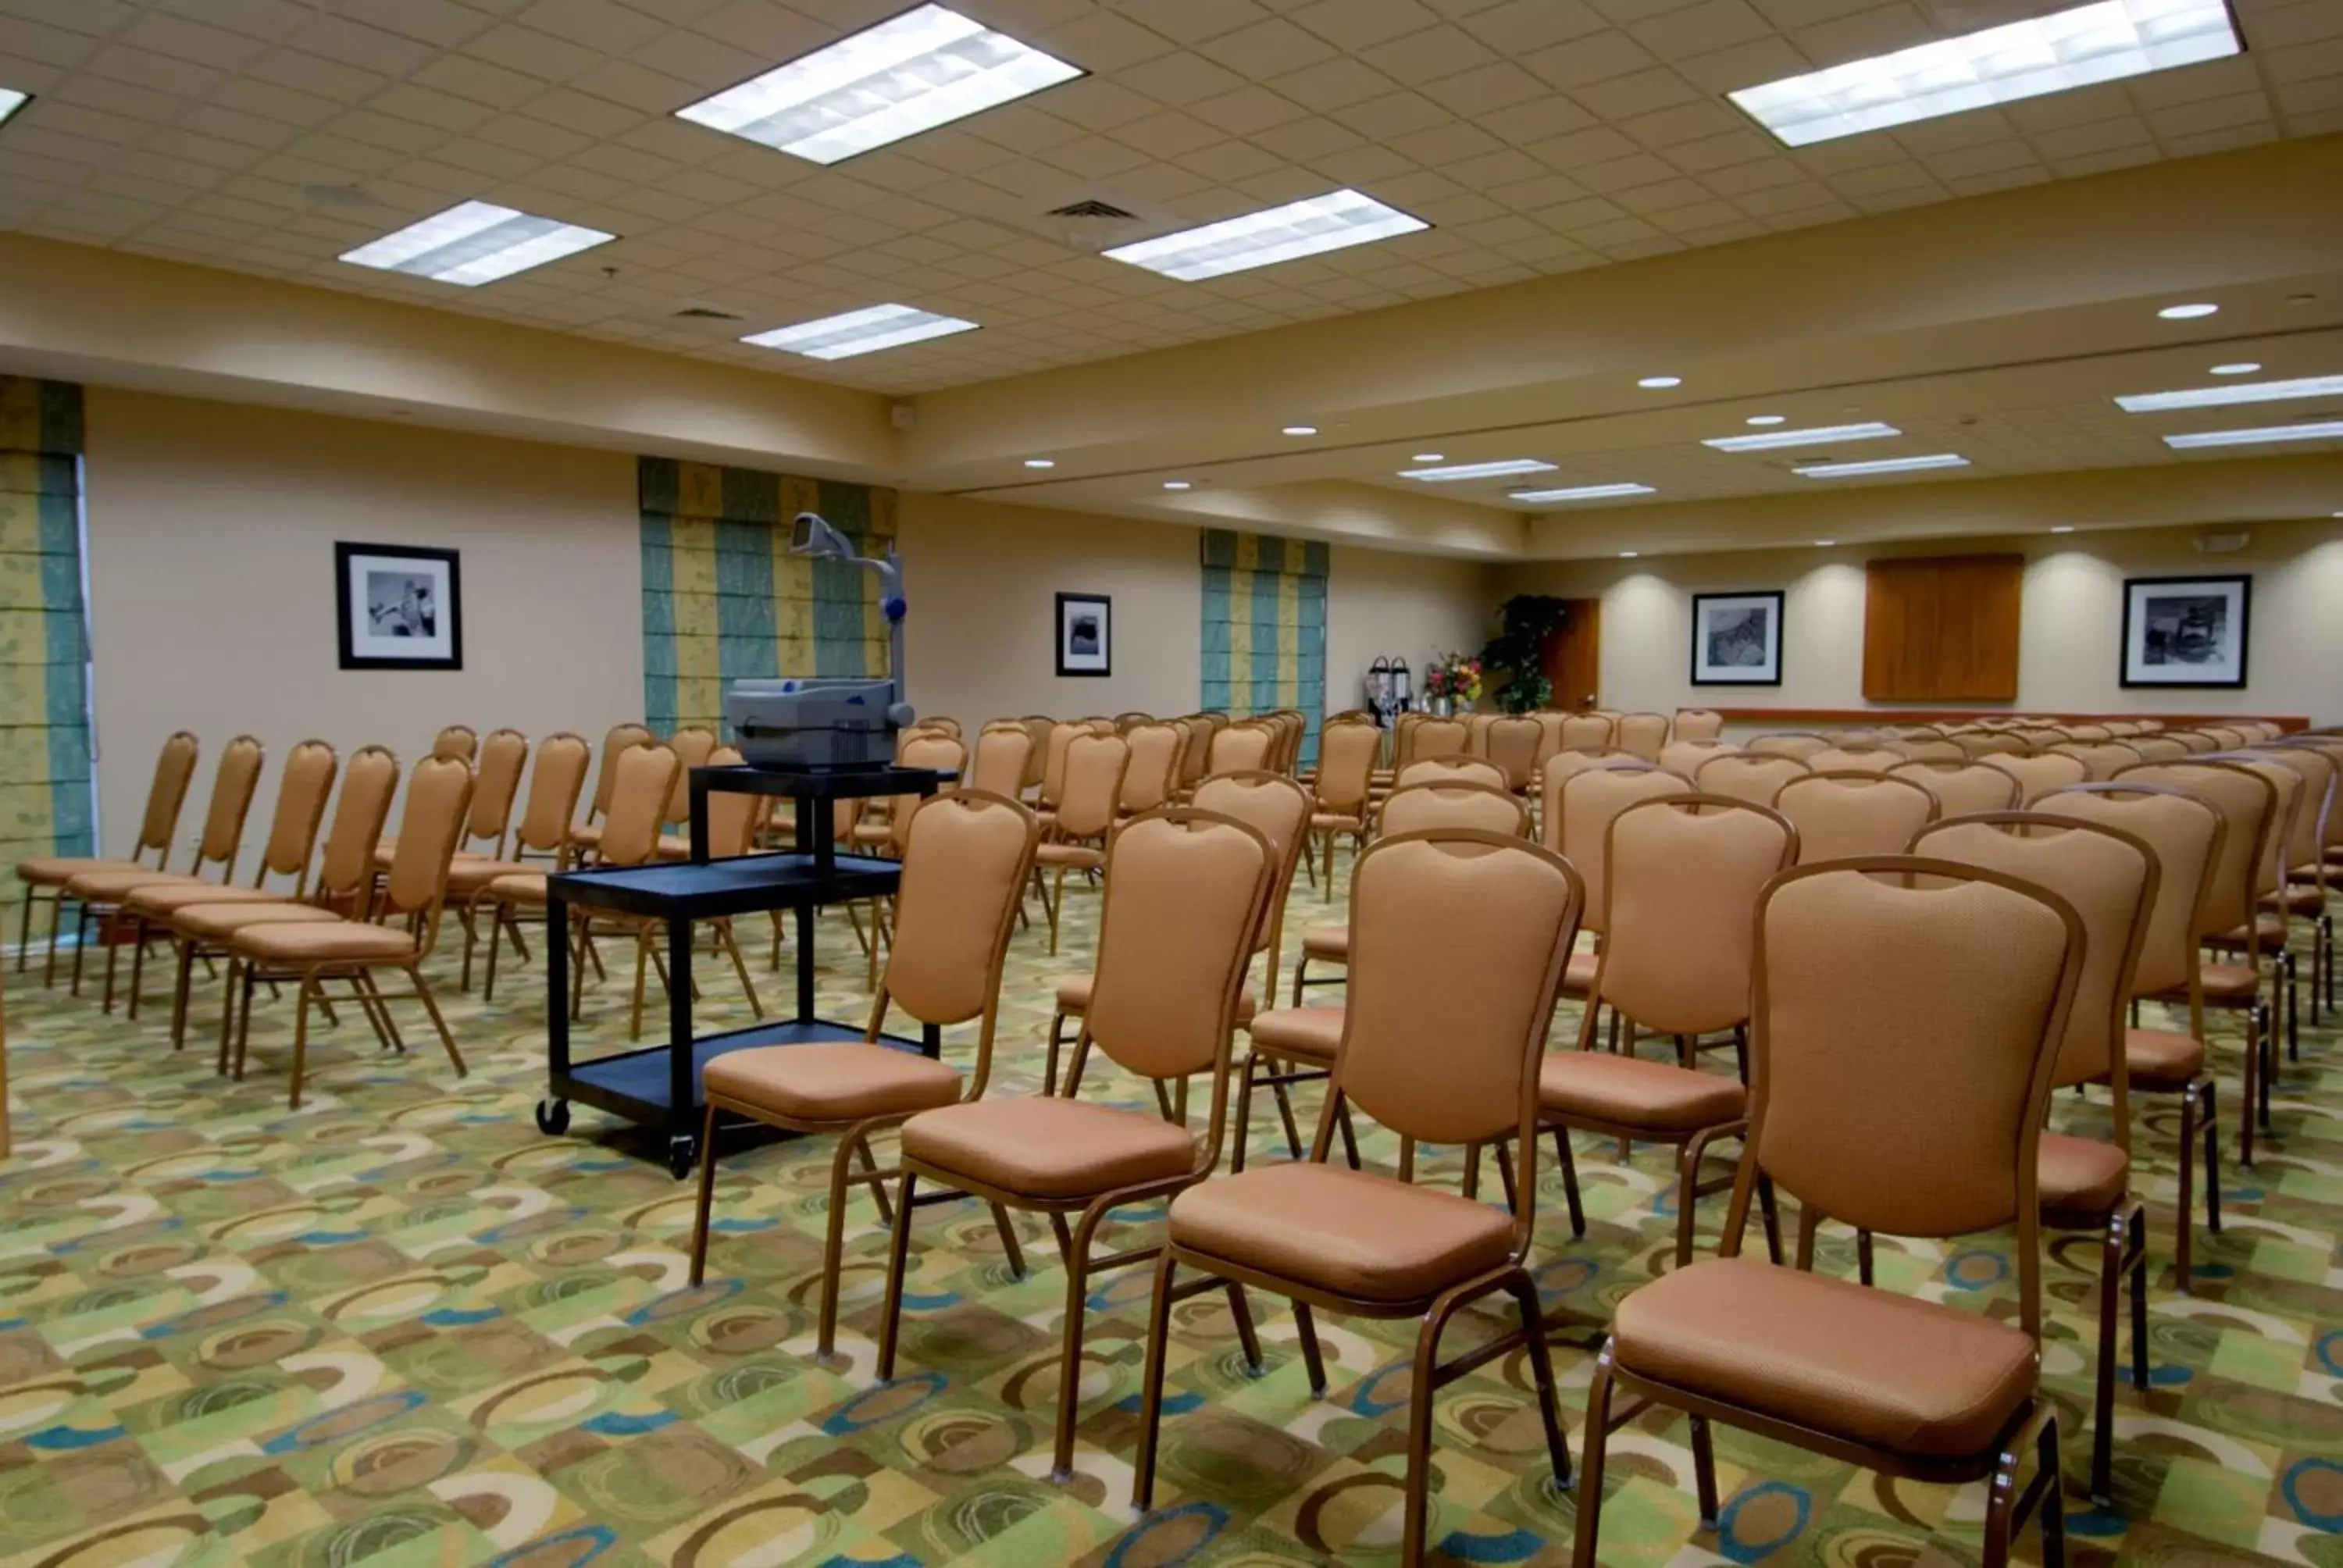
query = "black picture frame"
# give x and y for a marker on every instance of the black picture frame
(2134, 659)
(1705, 673)
(1073, 660)
(361, 646)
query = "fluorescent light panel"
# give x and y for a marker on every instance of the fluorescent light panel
(860, 332)
(2236, 392)
(475, 243)
(11, 100)
(911, 73)
(1580, 493)
(1882, 465)
(1334, 221)
(1496, 470)
(2074, 48)
(2320, 431)
(1814, 435)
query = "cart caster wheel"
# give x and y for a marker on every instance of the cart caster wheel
(553, 1117)
(682, 1154)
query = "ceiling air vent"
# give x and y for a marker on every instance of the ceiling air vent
(1089, 208)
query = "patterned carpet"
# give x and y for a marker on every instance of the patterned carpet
(402, 1327)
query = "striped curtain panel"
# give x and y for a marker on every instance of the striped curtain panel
(44, 751)
(724, 600)
(1265, 626)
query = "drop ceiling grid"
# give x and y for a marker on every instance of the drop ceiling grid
(1539, 136)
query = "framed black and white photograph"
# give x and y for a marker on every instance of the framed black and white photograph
(2185, 631)
(401, 607)
(1085, 634)
(1736, 639)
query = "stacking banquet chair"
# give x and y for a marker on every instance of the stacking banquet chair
(1845, 813)
(1037, 726)
(1495, 915)
(98, 894)
(1277, 808)
(1981, 744)
(1854, 757)
(312, 952)
(495, 783)
(553, 791)
(1752, 776)
(874, 829)
(1077, 833)
(1153, 774)
(2273, 918)
(640, 783)
(1579, 808)
(1588, 732)
(2186, 833)
(2101, 760)
(1294, 1044)
(1513, 742)
(1062, 735)
(1450, 769)
(1789, 743)
(2109, 877)
(1241, 748)
(1948, 1043)
(1429, 736)
(1347, 753)
(1932, 749)
(693, 745)
(301, 791)
(457, 742)
(1641, 734)
(344, 884)
(1681, 876)
(2159, 748)
(1003, 748)
(2038, 773)
(2248, 802)
(731, 833)
(586, 835)
(164, 796)
(1186, 891)
(2301, 892)
(1698, 724)
(1961, 787)
(1685, 756)
(2306, 876)
(966, 858)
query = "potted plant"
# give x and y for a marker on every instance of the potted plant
(1527, 623)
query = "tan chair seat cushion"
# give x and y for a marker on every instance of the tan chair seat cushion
(1344, 1230)
(1047, 1147)
(2162, 1058)
(466, 878)
(1330, 943)
(2271, 929)
(585, 833)
(2230, 982)
(1074, 999)
(385, 850)
(113, 886)
(1578, 974)
(841, 1082)
(1073, 857)
(1307, 1033)
(518, 888)
(317, 942)
(864, 833)
(1865, 1365)
(1629, 1091)
(1335, 822)
(169, 898)
(2086, 1175)
(55, 870)
(219, 922)
(2298, 901)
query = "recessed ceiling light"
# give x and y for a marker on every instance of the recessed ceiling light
(1429, 457)
(2073, 48)
(2319, 430)
(1176, 485)
(909, 73)
(1580, 493)
(11, 100)
(2242, 367)
(1660, 382)
(1300, 430)
(864, 331)
(1497, 470)
(1814, 435)
(2063, 528)
(2241, 392)
(1767, 418)
(1039, 463)
(1629, 555)
(1825, 544)
(1883, 465)
(2188, 312)
(474, 243)
(1334, 221)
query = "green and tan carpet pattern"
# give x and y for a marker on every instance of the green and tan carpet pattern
(401, 1327)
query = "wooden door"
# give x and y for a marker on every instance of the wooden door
(1573, 658)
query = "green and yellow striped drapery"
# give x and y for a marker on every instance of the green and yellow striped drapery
(45, 753)
(1265, 626)
(724, 600)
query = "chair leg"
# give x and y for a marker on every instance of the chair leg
(2212, 1161)
(1570, 1182)
(1245, 1070)
(370, 995)
(706, 1199)
(1313, 1361)
(496, 916)
(898, 1253)
(1703, 1471)
(1300, 965)
(25, 929)
(2103, 1391)
(833, 1247)
(56, 926)
(740, 967)
(227, 1011)
(1278, 1092)
(471, 941)
(138, 963)
(1416, 1522)
(2136, 1245)
(2252, 1086)
(1587, 1529)
(1056, 904)
(1863, 1256)
(1057, 1043)
(186, 949)
(301, 1031)
(1525, 1297)
(1151, 1403)
(431, 1006)
(643, 957)
(1009, 1247)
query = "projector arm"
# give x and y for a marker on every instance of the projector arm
(814, 538)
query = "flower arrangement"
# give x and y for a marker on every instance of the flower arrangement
(1454, 677)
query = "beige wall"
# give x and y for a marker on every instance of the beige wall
(2070, 627)
(1409, 607)
(211, 564)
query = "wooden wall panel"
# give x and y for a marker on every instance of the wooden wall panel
(1941, 629)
